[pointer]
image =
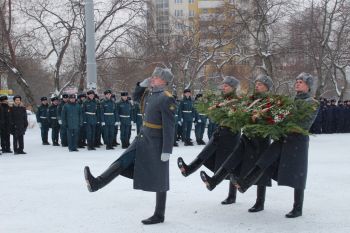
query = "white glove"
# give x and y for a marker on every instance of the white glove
(199, 121)
(39, 124)
(165, 157)
(103, 124)
(179, 123)
(116, 124)
(60, 122)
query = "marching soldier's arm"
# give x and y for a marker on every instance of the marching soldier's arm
(116, 112)
(168, 110)
(63, 116)
(138, 93)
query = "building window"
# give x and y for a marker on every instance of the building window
(178, 1)
(178, 13)
(191, 13)
(190, 1)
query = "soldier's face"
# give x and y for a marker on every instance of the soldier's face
(55, 102)
(301, 86)
(44, 102)
(188, 94)
(124, 98)
(226, 88)
(17, 101)
(108, 95)
(91, 96)
(157, 82)
(72, 100)
(260, 87)
(65, 100)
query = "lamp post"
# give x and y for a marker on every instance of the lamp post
(90, 45)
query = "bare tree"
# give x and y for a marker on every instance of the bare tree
(9, 59)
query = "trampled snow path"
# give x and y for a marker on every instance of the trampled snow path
(44, 191)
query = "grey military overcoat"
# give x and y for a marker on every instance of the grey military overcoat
(149, 172)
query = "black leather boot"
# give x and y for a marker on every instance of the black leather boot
(211, 182)
(94, 184)
(187, 170)
(298, 204)
(251, 178)
(232, 193)
(260, 199)
(158, 216)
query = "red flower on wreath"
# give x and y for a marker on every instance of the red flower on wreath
(270, 120)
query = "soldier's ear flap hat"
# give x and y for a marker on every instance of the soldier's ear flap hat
(307, 78)
(266, 80)
(163, 73)
(231, 81)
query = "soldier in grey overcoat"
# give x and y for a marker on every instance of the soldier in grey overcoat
(146, 160)
(287, 158)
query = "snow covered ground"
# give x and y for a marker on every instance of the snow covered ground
(44, 191)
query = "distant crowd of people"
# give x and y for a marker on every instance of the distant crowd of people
(332, 117)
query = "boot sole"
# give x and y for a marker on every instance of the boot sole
(205, 180)
(180, 164)
(86, 175)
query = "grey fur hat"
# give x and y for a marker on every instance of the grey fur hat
(266, 80)
(307, 78)
(231, 81)
(163, 73)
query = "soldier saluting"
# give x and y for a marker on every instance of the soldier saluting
(146, 160)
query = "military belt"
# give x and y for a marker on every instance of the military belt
(187, 111)
(53, 117)
(43, 117)
(91, 113)
(152, 126)
(139, 114)
(109, 113)
(124, 116)
(201, 114)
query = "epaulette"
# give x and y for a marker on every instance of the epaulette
(167, 93)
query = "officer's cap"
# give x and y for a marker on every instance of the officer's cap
(43, 98)
(124, 93)
(107, 92)
(3, 97)
(90, 92)
(231, 81)
(307, 78)
(71, 96)
(65, 96)
(163, 73)
(54, 98)
(17, 97)
(81, 95)
(187, 90)
(266, 80)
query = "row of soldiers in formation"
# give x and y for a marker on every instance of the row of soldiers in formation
(332, 117)
(13, 120)
(84, 120)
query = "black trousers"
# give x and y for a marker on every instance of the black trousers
(5, 140)
(18, 143)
